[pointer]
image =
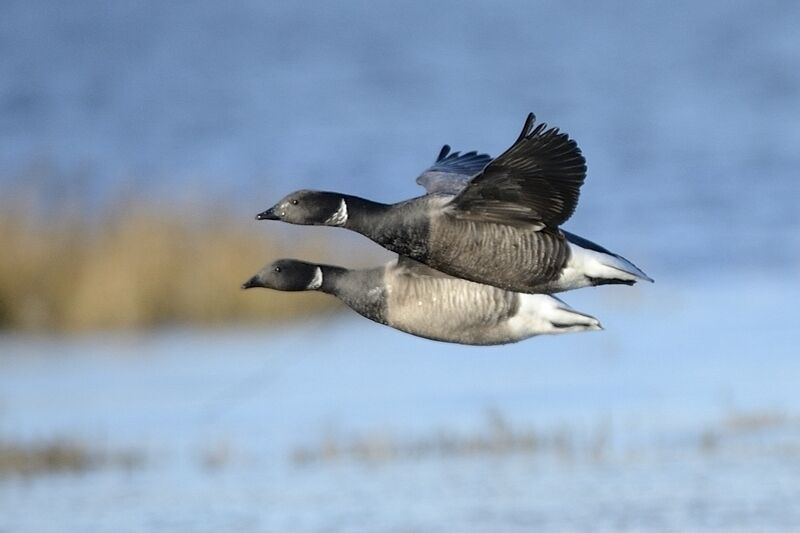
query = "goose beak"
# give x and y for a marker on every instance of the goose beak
(252, 282)
(269, 214)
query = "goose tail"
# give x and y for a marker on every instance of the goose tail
(601, 266)
(564, 318)
(544, 314)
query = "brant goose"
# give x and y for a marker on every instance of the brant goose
(411, 297)
(493, 221)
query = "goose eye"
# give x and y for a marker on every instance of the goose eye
(294, 202)
(277, 269)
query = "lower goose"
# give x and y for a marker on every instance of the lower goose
(413, 298)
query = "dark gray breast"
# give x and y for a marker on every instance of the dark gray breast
(405, 227)
(516, 258)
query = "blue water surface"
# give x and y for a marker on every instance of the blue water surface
(673, 367)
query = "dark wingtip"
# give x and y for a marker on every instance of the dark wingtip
(526, 129)
(443, 152)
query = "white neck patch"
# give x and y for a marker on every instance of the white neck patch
(316, 283)
(339, 217)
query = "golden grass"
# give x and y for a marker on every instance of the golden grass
(144, 266)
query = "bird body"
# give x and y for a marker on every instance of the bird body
(413, 298)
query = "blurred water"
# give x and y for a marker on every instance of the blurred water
(687, 113)
(220, 415)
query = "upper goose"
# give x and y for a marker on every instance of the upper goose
(411, 297)
(493, 221)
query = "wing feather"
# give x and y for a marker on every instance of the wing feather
(452, 171)
(536, 182)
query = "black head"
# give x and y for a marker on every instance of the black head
(309, 208)
(287, 275)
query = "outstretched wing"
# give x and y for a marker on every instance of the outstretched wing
(536, 182)
(452, 171)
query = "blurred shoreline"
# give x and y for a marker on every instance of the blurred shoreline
(142, 265)
(733, 434)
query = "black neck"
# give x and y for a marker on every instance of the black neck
(361, 290)
(401, 227)
(365, 216)
(332, 277)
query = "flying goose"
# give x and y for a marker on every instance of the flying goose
(492, 221)
(411, 297)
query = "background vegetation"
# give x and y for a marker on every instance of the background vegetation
(140, 265)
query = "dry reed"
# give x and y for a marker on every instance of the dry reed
(142, 266)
